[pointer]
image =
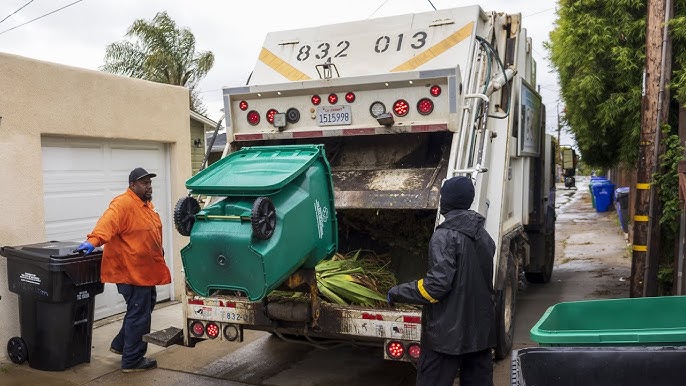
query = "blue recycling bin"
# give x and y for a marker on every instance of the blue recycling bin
(595, 180)
(622, 206)
(603, 193)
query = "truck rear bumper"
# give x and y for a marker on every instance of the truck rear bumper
(334, 321)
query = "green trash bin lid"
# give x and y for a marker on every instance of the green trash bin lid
(254, 170)
(614, 322)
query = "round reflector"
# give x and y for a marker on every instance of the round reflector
(401, 108)
(414, 350)
(212, 330)
(316, 100)
(350, 97)
(197, 328)
(292, 115)
(395, 350)
(231, 332)
(270, 115)
(253, 117)
(333, 98)
(435, 90)
(243, 105)
(425, 106)
(376, 109)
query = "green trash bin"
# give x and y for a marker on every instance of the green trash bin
(275, 214)
(651, 321)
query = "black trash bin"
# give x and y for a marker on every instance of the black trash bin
(622, 205)
(598, 366)
(56, 289)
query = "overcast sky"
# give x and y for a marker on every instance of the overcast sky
(233, 30)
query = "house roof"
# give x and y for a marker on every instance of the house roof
(219, 142)
(203, 119)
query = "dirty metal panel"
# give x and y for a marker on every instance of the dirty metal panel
(223, 310)
(165, 338)
(389, 188)
(374, 323)
(384, 179)
(386, 200)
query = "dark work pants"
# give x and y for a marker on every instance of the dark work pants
(437, 369)
(140, 301)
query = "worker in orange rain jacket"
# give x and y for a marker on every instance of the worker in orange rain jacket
(134, 260)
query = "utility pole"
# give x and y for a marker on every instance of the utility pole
(654, 110)
(559, 145)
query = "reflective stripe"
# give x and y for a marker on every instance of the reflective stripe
(641, 218)
(277, 64)
(642, 186)
(437, 49)
(422, 290)
(640, 248)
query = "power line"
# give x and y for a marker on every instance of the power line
(40, 17)
(536, 13)
(377, 9)
(432, 4)
(10, 15)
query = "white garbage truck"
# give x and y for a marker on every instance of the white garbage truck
(399, 104)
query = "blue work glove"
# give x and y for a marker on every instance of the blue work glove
(86, 247)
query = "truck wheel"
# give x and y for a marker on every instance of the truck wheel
(545, 275)
(17, 350)
(505, 311)
(263, 218)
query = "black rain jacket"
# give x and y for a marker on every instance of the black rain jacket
(458, 314)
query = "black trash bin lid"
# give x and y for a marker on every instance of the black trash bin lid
(44, 251)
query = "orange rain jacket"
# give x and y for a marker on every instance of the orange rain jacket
(132, 230)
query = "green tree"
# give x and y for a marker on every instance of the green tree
(597, 48)
(159, 51)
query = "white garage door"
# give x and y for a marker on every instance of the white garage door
(80, 178)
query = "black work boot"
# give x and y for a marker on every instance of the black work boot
(145, 364)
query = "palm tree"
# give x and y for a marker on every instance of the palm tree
(159, 51)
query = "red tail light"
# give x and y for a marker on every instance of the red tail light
(212, 330)
(270, 115)
(333, 98)
(197, 328)
(243, 105)
(425, 106)
(350, 97)
(316, 100)
(401, 108)
(435, 91)
(414, 350)
(253, 117)
(395, 350)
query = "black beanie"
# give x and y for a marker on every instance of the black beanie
(457, 193)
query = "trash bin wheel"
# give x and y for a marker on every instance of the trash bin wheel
(184, 214)
(17, 350)
(263, 218)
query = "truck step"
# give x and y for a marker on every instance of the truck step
(165, 338)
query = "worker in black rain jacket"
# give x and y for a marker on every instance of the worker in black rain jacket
(458, 317)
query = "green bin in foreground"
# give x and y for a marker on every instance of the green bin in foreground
(273, 213)
(652, 321)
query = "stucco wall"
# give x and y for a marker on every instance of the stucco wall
(38, 98)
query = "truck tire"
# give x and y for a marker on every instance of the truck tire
(506, 301)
